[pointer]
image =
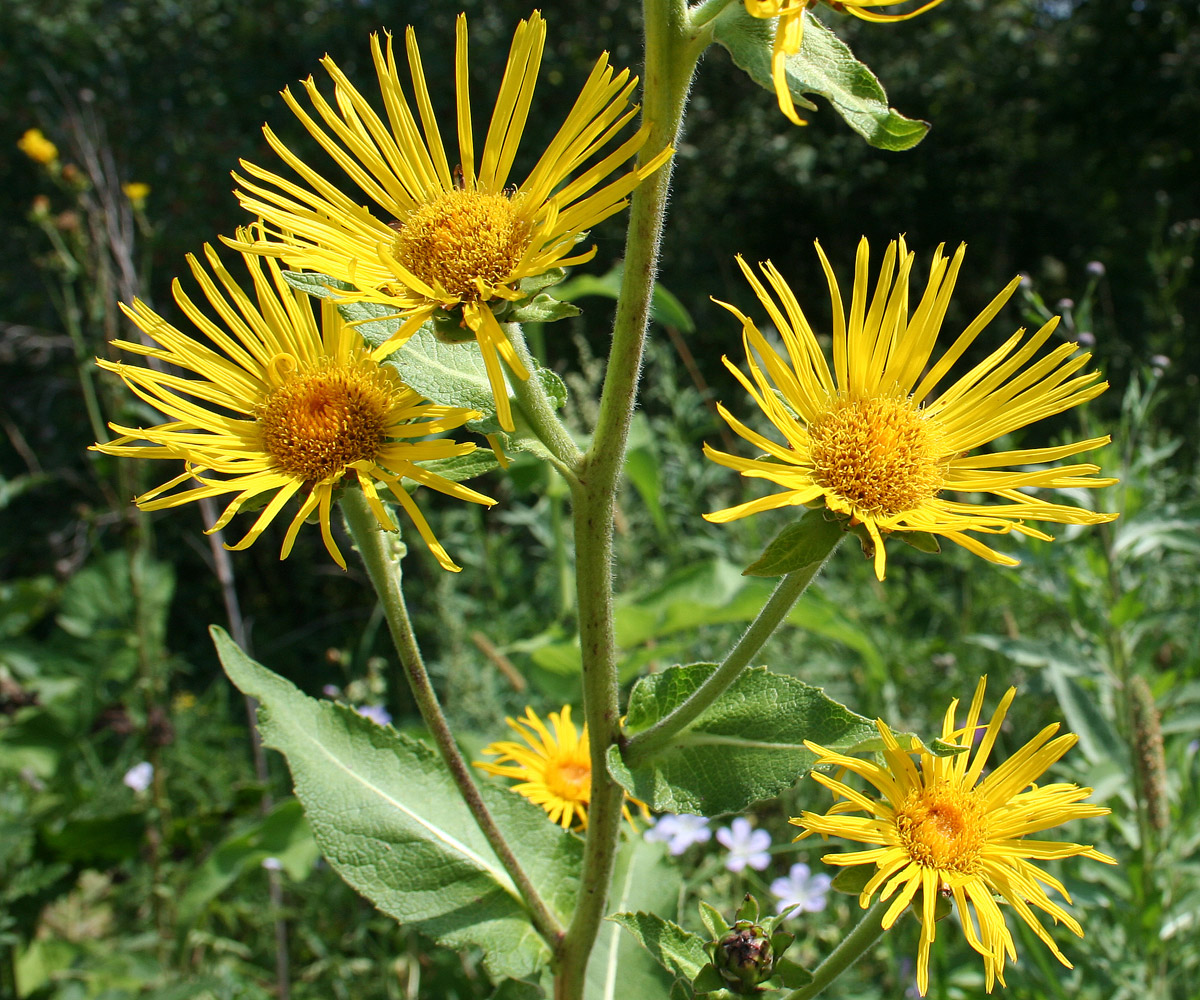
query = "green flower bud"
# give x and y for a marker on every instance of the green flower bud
(744, 956)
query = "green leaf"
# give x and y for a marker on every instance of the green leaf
(375, 323)
(619, 967)
(541, 309)
(389, 819)
(665, 308)
(747, 746)
(282, 834)
(853, 879)
(676, 950)
(800, 544)
(825, 66)
(463, 467)
(319, 286)
(713, 920)
(922, 541)
(536, 282)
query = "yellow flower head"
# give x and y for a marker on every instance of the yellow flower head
(278, 406)
(940, 826)
(554, 768)
(458, 238)
(37, 147)
(872, 439)
(789, 33)
(137, 192)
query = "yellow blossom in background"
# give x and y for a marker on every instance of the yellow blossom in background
(276, 407)
(554, 769)
(940, 825)
(137, 192)
(455, 238)
(37, 147)
(872, 440)
(789, 33)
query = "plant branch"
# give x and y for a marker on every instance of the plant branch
(849, 951)
(648, 742)
(384, 570)
(670, 61)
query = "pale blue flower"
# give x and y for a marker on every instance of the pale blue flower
(680, 831)
(376, 713)
(139, 776)
(807, 891)
(746, 845)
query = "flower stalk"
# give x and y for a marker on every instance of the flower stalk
(383, 568)
(851, 948)
(650, 741)
(671, 55)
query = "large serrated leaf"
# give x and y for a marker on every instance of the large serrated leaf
(678, 951)
(747, 746)
(387, 816)
(824, 66)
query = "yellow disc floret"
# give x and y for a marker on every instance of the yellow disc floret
(463, 243)
(943, 827)
(877, 453)
(323, 418)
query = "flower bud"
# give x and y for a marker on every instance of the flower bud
(744, 956)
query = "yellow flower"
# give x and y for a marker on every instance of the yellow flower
(789, 32)
(279, 408)
(458, 239)
(941, 826)
(37, 147)
(872, 441)
(137, 192)
(554, 768)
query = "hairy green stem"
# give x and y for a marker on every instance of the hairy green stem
(650, 741)
(539, 410)
(384, 570)
(671, 54)
(852, 947)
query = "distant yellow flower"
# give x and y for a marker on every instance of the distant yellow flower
(137, 192)
(941, 826)
(554, 768)
(37, 147)
(872, 441)
(281, 407)
(789, 32)
(456, 239)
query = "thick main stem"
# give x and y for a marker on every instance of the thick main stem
(670, 61)
(384, 571)
(648, 742)
(849, 951)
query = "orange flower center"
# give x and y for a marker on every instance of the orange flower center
(570, 780)
(319, 420)
(878, 453)
(463, 242)
(943, 827)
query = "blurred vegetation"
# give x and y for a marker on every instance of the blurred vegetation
(1056, 144)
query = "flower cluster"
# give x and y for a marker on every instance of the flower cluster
(277, 406)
